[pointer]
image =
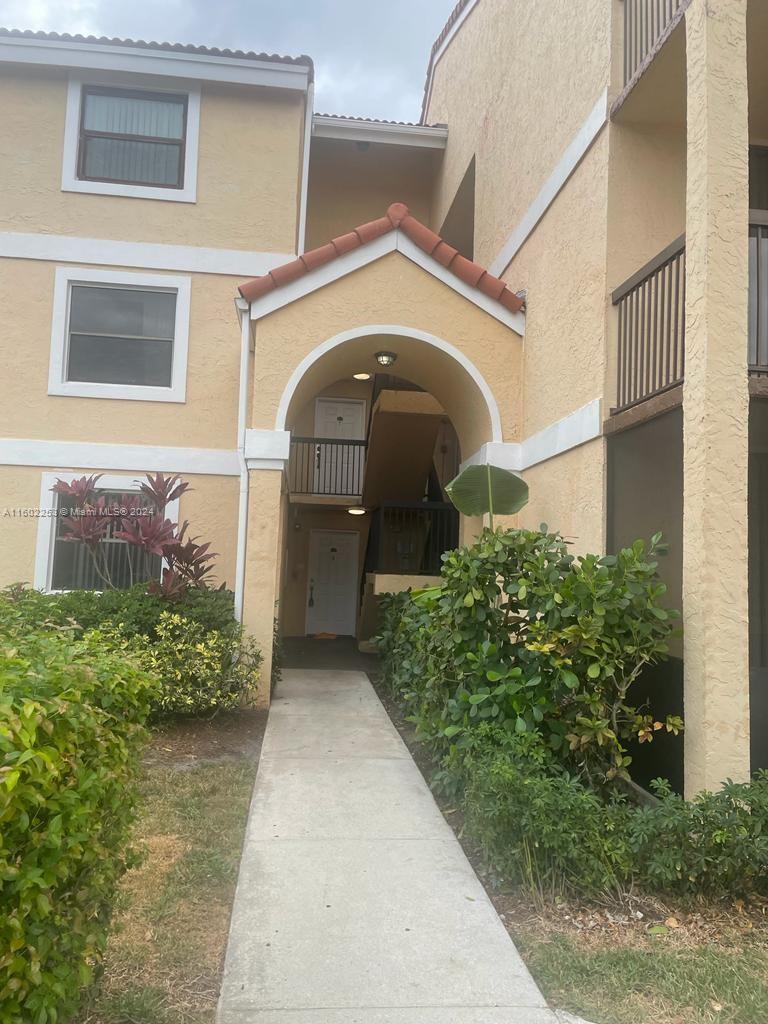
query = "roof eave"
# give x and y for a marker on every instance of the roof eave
(96, 56)
(354, 129)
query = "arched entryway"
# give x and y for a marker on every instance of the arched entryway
(456, 338)
(366, 509)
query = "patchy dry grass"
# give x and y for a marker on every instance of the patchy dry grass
(655, 965)
(165, 954)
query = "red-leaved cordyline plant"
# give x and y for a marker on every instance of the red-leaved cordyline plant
(190, 561)
(145, 530)
(162, 490)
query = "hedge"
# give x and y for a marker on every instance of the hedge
(72, 713)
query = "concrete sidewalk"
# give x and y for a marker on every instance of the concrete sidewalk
(355, 902)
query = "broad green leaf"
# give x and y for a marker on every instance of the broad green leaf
(480, 489)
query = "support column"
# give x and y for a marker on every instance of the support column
(263, 554)
(716, 399)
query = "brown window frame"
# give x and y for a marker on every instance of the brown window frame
(84, 134)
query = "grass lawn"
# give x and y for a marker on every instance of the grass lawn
(165, 953)
(712, 966)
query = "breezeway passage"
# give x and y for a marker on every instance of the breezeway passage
(355, 902)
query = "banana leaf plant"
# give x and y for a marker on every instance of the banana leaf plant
(478, 490)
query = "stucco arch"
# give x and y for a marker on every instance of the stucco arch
(423, 357)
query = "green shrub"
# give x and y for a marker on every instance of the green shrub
(194, 645)
(542, 827)
(716, 843)
(525, 634)
(547, 830)
(71, 727)
(137, 612)
(517, 673)
(200, 670)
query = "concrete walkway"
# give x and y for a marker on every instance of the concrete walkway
(355, 903)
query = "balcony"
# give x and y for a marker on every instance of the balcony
(326, 467)
(646, 24)
(409, 539)
(651, 320)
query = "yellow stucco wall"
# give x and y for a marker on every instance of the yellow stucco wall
(566, 493)
(210, 506)
(514, 87)
(247, 182)
(349, 186)
(208, 418)
(392, 290)
(715, 399)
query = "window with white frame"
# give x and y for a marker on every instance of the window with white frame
(131, 140)
(119, 335)
(63, 564)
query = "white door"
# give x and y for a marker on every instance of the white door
(339, 468)
(333, 583)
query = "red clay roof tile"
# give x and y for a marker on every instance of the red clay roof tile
(398, 218)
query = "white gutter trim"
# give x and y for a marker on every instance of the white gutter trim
(171, 63)
(357, 129)
(301, 240)
(242, 419)
(567, 164)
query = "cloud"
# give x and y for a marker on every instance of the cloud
(370, 58)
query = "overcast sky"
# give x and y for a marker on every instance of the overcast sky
(370, 55)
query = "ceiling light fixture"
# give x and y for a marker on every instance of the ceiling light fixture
(356, 511)
(361, 376)
(386, 358)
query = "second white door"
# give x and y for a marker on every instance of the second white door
(339, 468)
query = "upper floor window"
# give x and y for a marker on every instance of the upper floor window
(132, 137)
(118, 335)
(129, 141)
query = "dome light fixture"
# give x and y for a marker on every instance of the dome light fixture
(386, 358)
(356, 510)
(361, 376)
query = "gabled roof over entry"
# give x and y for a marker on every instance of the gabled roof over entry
(464, 274)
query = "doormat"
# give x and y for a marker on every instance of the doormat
(325, 636)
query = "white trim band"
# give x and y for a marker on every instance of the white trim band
(106, 252)
(137, 458)
(567, 164)
(267, 444)
(577, 428)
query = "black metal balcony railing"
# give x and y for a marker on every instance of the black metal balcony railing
(651, 304)
(410, 539)
(651, 351)
(326, 466)
(645, 22)
(757, 357)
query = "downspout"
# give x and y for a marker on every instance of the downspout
(244, 310)
(304, 186)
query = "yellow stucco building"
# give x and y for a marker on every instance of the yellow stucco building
(315, 320)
